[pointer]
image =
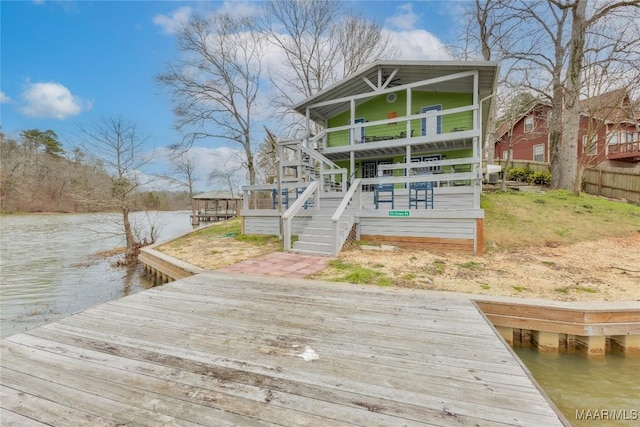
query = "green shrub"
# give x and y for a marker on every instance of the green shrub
(540, 178)
(529, 176)
(519, 174)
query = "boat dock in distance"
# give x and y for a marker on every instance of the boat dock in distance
(219, 349)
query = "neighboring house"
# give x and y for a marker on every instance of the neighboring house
(609, 131)
(391, 154)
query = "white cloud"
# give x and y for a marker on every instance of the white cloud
(240, 8)
(404, 19)
(4, 98)
(208, 159)
(51, 100)
(419, 45)
(171, 24)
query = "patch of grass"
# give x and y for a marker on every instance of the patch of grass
(339, 264)
(256, 239)
(564, 231)
(515, 219)
(485, 287)
(586, 289)
(408, 276)
(470, 265)
(549, 263)
(413, 258)
(438, 266)
(378, 265)
(562, 290)
(520, 288)
(361, 275)
(384, 281)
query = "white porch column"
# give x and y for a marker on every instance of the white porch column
(352, 166)
(408, 127)
(353, 121)
(408, 161)
(308, 125)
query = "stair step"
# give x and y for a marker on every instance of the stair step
(317, 231)
(315, 238)
(306, 252)
(325, 248)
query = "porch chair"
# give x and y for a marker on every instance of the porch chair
(421, 192)
(384, 193)
(285, 199)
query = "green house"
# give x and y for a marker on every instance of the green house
(391, 154)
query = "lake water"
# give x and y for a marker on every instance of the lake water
(47, 267)
(577, 385)
(47, 272)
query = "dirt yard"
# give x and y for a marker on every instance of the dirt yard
(602, 270)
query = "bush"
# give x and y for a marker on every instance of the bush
(519, 174)
(529, 176)
(540, 178)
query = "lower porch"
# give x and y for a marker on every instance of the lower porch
(449, 219)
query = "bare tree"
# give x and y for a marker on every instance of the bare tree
(488, 31)
(513, 109)
(321, 43)
(227, 177)
(215, 83)
(115, 143)
(183, 165)
(551, 52)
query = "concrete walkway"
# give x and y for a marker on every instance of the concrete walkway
(280, 264)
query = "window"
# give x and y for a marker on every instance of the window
(538, 153)
(590, 145)
(505, 154)
(630, 136)
(613, 137)
(528, 123)
(419, 171)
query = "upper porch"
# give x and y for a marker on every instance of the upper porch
(389, 106)
(628, 151)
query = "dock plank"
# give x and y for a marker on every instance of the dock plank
(218, 349)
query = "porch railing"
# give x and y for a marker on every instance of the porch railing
(344, 216)
(288, 217)
(406, 127)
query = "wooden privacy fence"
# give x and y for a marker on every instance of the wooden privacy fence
(612, 182)
(617, 183)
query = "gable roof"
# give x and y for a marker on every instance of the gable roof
(403, 73)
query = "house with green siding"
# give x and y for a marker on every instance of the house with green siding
(391, 154)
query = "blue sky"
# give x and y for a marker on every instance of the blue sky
(67, 64)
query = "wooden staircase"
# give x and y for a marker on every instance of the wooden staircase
(321, 235)
(317, 237)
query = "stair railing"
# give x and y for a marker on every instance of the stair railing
(289, 215)
(344, 216)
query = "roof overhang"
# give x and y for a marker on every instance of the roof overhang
(391, 76)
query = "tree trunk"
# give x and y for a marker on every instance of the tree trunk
(131, 255)
(568, 154)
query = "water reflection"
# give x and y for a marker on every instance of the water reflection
(578, 384)
(47, 267)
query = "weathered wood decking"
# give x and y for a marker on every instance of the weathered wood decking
(218, 349)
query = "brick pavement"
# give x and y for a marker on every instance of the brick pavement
(281, 264)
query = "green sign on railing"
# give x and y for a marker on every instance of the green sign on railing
(399, 213)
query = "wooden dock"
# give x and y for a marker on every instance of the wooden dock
(221, 350)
